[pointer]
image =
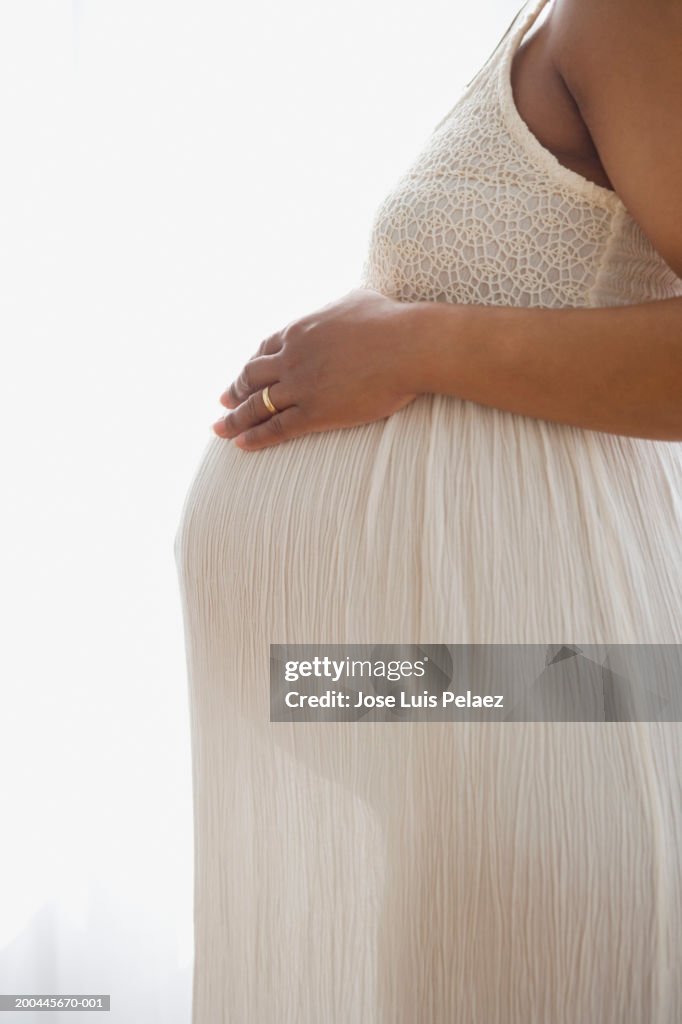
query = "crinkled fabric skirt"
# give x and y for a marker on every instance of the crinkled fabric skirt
(431, 873)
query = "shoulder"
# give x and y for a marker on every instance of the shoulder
(621, 60)
(609, 33)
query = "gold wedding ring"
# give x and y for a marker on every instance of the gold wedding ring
(269, 404)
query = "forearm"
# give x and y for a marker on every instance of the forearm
(615, 369)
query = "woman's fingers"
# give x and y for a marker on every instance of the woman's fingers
(280, 427)
(269, 346)
(251, 411)
(259, 371)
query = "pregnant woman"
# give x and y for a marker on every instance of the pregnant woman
(480, 444)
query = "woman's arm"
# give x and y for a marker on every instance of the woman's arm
(365, 356)
(616, 369)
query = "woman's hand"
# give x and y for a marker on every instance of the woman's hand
(348, 363)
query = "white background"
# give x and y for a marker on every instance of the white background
(179, 180)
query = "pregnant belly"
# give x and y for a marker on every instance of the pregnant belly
(448, 522)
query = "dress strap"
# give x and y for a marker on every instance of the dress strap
(502, 39)
(537, 7)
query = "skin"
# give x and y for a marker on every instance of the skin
(599, 84)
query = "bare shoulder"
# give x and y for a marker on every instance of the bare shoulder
(592, 37)
(621, 60)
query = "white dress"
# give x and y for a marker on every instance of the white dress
(442, 872)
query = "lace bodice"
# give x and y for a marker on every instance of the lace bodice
(485, 214)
